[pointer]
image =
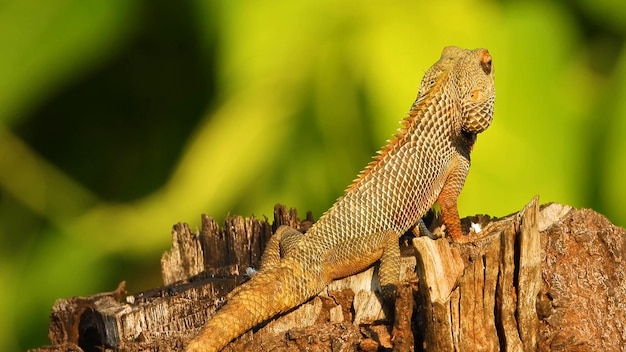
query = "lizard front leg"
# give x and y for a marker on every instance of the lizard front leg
(448, 199)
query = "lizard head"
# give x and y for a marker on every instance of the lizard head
(475, 81)
(466, 75)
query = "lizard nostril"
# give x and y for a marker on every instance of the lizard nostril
(485, 61)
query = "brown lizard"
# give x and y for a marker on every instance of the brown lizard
(426, 162)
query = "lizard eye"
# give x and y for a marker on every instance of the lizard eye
(477, 95)
(485, 62)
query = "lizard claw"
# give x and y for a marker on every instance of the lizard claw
(422, 230)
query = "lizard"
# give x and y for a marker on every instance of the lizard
(426, 162)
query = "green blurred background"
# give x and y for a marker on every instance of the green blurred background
(120, 118)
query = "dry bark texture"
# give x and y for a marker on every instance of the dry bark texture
(583, 297)
(546, 279)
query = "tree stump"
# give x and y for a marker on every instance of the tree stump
(548, 278)
(498, 278)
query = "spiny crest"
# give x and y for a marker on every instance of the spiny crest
(392, 144)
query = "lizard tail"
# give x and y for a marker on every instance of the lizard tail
(268, 293)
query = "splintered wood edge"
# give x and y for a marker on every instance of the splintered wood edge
(552, 213)
(442, 267)
(185, 258)
(529, 279)
(506, 289)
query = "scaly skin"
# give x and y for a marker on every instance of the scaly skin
(427, 162)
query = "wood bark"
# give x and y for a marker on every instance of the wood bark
(549, 278)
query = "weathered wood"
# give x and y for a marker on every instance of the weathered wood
(548, 279)
(474, 298)
(583, 299)
(185, 259)
(529, 275)
(440, 268)
(199, 270)
(507, 303)
(493, 305)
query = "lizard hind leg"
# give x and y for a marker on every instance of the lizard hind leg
(389, 268)
(283, 242)
(397, 296)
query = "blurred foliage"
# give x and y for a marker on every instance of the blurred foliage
(119, 118)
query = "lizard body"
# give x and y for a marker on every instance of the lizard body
(427, 162)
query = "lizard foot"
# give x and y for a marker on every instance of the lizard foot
(389, 293)
(422, 230)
